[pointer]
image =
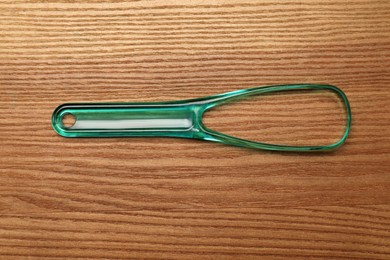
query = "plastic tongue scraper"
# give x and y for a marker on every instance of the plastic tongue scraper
(175, 118)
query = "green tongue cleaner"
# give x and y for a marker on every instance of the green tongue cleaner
(175, 118)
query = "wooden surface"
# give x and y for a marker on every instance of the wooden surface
(186, 199)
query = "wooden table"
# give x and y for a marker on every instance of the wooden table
(186, 199)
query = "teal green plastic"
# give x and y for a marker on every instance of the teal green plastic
(176, 118)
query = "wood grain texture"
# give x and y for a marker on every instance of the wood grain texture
(185, 199)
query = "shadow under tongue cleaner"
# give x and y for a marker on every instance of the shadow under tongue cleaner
(175, 118)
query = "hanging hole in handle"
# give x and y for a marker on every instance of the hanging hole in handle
(68, 120)
(293, 117)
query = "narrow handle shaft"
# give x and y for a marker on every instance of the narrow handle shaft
(105, 120)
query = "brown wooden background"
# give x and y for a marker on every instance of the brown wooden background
(172, 198)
